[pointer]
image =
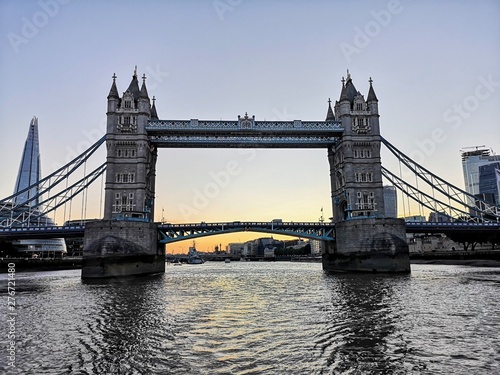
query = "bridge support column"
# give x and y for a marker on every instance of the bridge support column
(368, 245)
(121, 248)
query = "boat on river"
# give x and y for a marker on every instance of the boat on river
(193, 256)
(195, 260)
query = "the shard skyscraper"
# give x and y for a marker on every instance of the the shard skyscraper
(29, 174)
(29, 169)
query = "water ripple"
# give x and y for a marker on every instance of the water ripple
(260, 318)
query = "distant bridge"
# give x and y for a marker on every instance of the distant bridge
(311, 230)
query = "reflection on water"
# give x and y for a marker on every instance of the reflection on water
(362, 324)
(131, 332)
(259, 318)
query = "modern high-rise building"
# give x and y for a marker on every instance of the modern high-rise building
(489, 186)
(29, 175)
(471, 161)
(29, 168)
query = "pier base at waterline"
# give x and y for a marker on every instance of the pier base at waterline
(120, 249)
(368, 245)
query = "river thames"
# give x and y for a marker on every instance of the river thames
(257, 318)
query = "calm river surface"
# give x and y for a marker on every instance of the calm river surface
(257, 318)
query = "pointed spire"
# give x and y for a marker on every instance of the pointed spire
(113, 93)
(144, 91)
(371, 93)
(154, 115)
(349, 92)
(29, 168)
(343, 93)
(329, 115)
(134, 85)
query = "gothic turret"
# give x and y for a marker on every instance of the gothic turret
(133, 88)
(144, 105)
(144, 92)
(346, 96)
(154, 114)
(372, 100)
(113, 97)
(113, 92)
(329, 114)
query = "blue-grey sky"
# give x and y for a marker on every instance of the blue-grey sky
(435, 67)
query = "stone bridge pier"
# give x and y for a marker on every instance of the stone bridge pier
(368, 245)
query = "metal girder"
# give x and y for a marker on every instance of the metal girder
(42, 232)
(180, 232)
(244, 133)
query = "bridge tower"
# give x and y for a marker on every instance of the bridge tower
(131, 158)
(366, 240)
(125, 242)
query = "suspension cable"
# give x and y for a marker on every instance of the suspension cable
(100, 199)
(83, 193)
(402, 195)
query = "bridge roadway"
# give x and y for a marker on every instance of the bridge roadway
(245, 132)
(313, 230)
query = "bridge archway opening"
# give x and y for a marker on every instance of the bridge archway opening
(199, 184)
(244, 244)
(208, 243)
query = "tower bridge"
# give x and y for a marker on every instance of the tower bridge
(361, 237)
(350, 134)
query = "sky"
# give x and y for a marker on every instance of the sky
(435, 67)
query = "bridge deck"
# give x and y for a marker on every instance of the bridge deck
(245, 132)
